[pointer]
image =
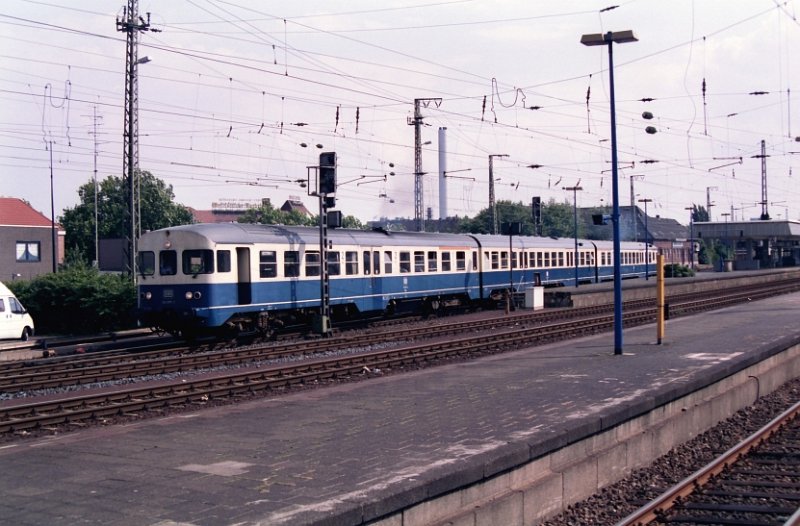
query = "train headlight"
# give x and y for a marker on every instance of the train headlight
(147, 295)
(188, 295)
(197, 295)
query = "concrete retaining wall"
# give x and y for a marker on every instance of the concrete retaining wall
(532, 492)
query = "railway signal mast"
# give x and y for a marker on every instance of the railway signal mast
(131, 23)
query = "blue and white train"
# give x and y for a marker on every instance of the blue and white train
(232, 278)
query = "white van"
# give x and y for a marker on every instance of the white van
(15, 322)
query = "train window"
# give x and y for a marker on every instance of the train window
(376, 261)
(446, 267)
(495, 260)
(198, 262)
(291, 263)
(560, 259)
(223, 261)
(539, 259)
(419, 261)
(513, 260)
(351, 262)
(432, 261)
(546, 259)
(168, 263)
(503, 259)
(461, 261)
(474, 260)
(387, 262)
(367, 263)
(268, 264)
(334, 265)
(582, 259)
(405, 262)
(312, 264)
(147, 263)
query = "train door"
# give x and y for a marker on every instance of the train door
(243, 290)
(372, 274)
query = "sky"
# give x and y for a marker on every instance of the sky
(237, 95)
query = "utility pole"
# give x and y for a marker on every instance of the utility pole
(131, 23)
(419, 205)
(95, 117)
(492, 205)
(53, 237)
(634, 221)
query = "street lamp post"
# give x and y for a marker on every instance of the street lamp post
(608, 39)
(646, 240)
(574, 190)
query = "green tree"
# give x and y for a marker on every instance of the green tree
(507, 212)
(267, 214)
(699, 213)
(352, 222)
(157, 210)
(558, 220)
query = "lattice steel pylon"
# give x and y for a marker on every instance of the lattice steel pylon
(764, 200)
(416, 121)
(131, 23)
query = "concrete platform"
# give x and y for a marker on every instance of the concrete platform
(507, 439)
(638, 289)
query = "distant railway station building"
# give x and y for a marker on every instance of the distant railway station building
(755, 244)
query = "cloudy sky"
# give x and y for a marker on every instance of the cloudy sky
(234, 88)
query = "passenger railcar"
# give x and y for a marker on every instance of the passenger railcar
(196, 279)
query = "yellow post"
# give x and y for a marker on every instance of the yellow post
(660, 297)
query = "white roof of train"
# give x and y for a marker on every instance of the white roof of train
(248, 233)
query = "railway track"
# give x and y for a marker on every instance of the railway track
(756, 483)
(20, 415)
(166, 359)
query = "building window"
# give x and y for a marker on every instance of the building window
(28, 251)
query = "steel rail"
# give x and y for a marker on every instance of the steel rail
(651, 511)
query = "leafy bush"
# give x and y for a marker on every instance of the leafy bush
(674, 270)
(78, 300)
